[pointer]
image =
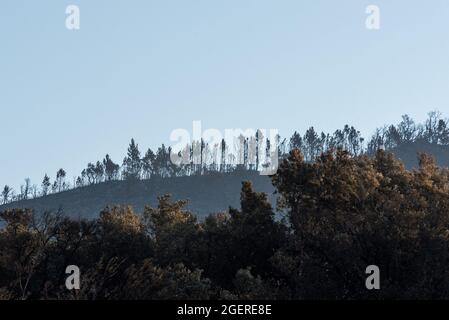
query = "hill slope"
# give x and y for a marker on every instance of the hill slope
(408, 153)
(207, 194)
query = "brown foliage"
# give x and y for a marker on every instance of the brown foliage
(342, 213)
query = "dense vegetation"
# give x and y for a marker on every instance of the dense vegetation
(404, 139)
(342, 212)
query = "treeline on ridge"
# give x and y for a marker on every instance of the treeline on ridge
(225, 157)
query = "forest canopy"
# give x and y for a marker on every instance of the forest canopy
(340, 213)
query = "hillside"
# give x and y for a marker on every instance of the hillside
(408, 152)
(207, 194)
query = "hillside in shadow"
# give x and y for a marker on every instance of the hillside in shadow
(210, 193)
(408, 153)
(207, 194)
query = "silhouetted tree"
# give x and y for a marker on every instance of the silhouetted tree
(111, 169)
(6, 193)
(45, 185)
(132, 165)
(311, 144)
(60, 180)
(407, 129)
(25, 189)
(162, 162)
(223, 150)
(99, 172)
(296, 141)
(148, 163)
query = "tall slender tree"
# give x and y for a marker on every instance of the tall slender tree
(60, 180)
(148, 163)
(6, 194)
(111, 169)
(132, 165)
(45, 185)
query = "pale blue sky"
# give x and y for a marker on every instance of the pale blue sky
(143, 68)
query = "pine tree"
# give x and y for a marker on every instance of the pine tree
(296, 141)
(148, 163)
(45, 185)
(132, 164)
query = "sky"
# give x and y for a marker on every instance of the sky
(144, 68)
